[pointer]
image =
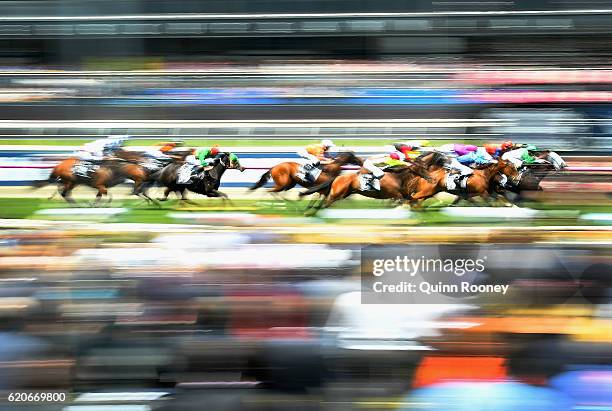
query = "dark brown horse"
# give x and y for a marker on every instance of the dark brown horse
(206, 184)
(109, 174)
(530, 177)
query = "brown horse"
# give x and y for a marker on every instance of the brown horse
(481, 183)
(398, 183)
(285, 175)
(531, 175)
(109, 174)
(405, 185)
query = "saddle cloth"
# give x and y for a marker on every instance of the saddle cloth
(367, 182)
(309, 172)
(184, 173)
(151, 164)
(84, 169)
(452, 179)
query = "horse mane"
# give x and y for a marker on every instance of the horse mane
(411, 185)
(416, 170)
(348, 155)
(397, 169)
(482, 166)
(437, 159)
(181, 154)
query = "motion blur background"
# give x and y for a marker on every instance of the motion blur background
(257, 307)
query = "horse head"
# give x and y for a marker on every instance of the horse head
(431, 159)
(234, 162)
(229, 161)
(507, 168)
(348, 157)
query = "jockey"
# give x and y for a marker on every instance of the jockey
(169, 146)
(453, 153)
(377, 164)
(479, 157)
(411, 149)
(496, 150)
(521, 156)
(205, 156)
(315, 154)
(161, 150)
(96, 150)
(92, 153)
(457, 150)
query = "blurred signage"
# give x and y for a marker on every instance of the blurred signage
(536, 77)
(123, 63)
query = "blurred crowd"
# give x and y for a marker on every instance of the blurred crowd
(258, 311)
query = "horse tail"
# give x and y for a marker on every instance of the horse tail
(262, 180)
(42, 183)
(317, 188)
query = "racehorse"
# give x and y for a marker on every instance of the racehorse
(483, 182)
(285, 175)
(206, 184)
(531, 176)
(405, 184)
(107, 175)
(398, 183)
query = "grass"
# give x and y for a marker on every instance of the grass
(139, 212)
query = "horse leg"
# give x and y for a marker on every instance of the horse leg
(183, 198)
(150, 199)
(102, 191)
(66, 192)
(224, 197)
(277, 189)
(137, 191)
(335, 194)
(140, 190)
(56, 192)
(416, 204)
(314, 201)
(281, 183)
(487, 198)
(167, 192)
(417, 199)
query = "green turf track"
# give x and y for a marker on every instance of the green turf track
(139, 212)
